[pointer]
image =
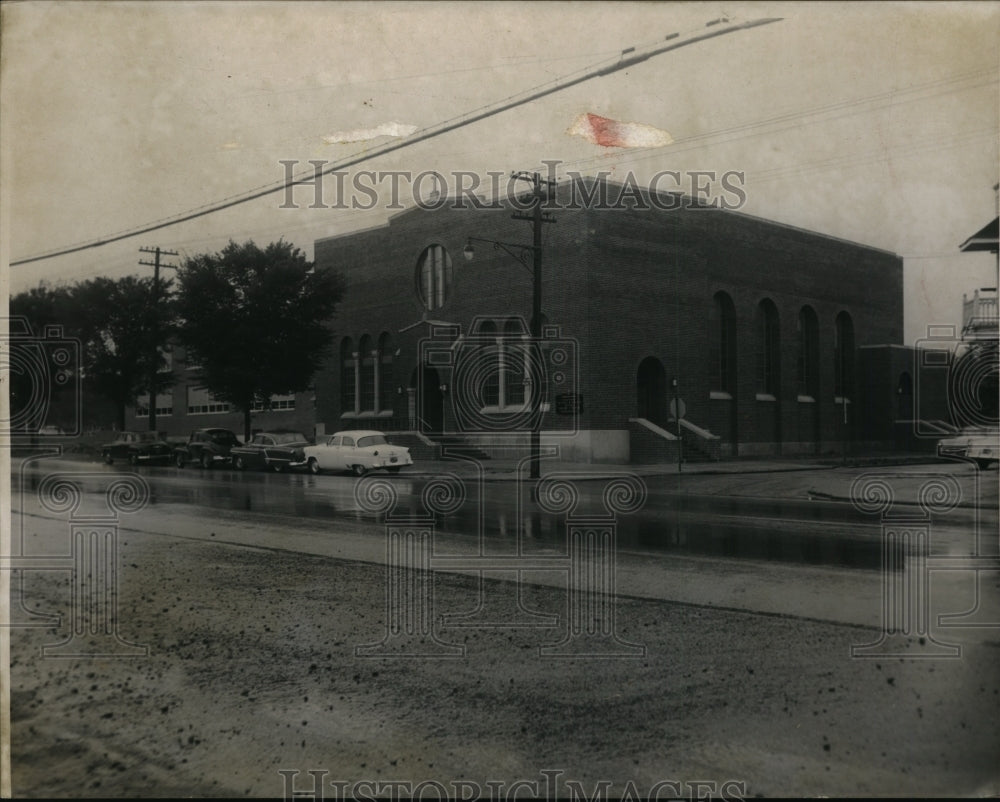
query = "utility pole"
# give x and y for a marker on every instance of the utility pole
(154, 340)
(539, 189)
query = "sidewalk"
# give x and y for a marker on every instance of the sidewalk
(809, 479)
(507, 469)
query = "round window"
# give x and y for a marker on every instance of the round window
(433, 277)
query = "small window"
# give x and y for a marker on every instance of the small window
(348, 441)
(366, 361)
(807, 367)
(768, 349)
(202, 402)
(843, 357)
(514, 364)
(334, 441)
(722, 351)
(348, 367)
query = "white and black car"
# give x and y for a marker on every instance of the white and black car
(357, 451)
(981, 446)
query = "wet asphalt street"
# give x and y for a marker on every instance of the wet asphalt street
(739, 599)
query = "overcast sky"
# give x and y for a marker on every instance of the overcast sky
(873, 122)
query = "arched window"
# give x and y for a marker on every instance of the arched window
(348, 376)
(722, 340)
(385, 376)
(366, 374)
(491, 377)
(433, 277)
(843, 357)
(768, 349)
(808, 362)
(512, 370)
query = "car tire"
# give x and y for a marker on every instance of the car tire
(358, 470)
(314, 468)
(206, 461)
(133, 460)
(179, 461)
(984, 464)
(277, 467)
(239, 464)
(393, 469)
(108, 458)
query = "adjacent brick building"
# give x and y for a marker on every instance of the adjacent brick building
(187, 406)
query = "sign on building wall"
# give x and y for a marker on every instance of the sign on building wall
(569, 404)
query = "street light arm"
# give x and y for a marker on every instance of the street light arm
(516, 250)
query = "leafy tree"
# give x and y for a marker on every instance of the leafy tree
(253, 320)
(40, 307)
(113, 322)
(117, 321)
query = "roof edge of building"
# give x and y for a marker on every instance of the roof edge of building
(688, 200)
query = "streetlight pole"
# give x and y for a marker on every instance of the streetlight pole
(155, 338)
(677, 416)
(536, 217)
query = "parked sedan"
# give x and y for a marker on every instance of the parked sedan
(206, 447)
(358, 452)
(139, 448)
(982, 446)
(274, 451)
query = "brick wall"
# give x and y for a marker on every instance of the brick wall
(626, 285)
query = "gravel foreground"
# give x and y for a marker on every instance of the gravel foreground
(252, 670)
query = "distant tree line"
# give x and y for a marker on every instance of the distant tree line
(254, 320)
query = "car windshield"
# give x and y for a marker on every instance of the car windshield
(223, 438)
(372, 440)
(288, 437)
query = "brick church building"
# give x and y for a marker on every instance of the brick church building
(760, 333)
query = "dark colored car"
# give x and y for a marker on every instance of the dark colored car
(206, 447)
(138, 448)
(274, 451)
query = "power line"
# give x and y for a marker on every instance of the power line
(628, 58)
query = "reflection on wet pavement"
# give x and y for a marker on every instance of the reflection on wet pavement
(740, 528)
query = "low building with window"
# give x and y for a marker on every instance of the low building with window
(187, 406)
(755, 331)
